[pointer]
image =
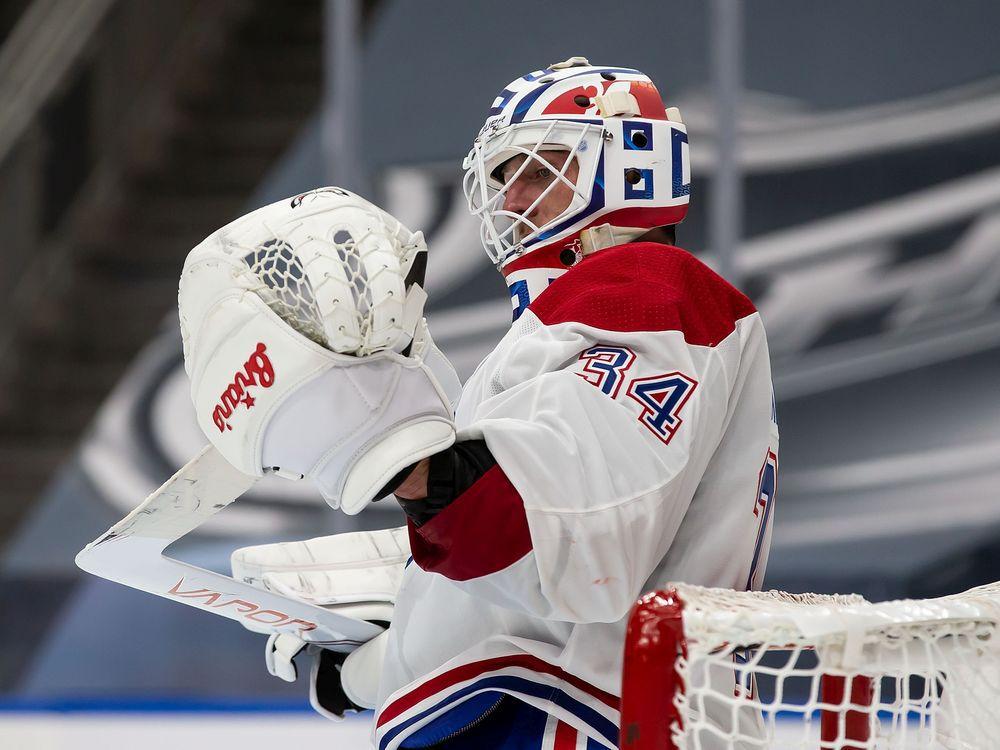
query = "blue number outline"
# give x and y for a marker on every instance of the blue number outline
(662, 418)
(766, 480)
(607, 376)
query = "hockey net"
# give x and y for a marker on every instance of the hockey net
(713, 669)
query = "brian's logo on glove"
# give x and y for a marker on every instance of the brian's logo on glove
(257, 371)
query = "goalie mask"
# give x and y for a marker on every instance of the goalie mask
(598, 145)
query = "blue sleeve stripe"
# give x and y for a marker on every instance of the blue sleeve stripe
(514, 686)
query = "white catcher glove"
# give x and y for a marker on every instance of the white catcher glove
(356, 574)
(306, 347)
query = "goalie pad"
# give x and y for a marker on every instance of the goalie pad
(355, 574)
(306, 349)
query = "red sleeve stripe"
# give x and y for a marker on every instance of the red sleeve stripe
(482, 531)
(565, 738)
(476, 669)
(645, 286)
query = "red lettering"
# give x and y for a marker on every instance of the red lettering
(231, 396)
(257, 615)
(249, 610)
(260, 367)
(210, 596)
(219, 417)
(241, 606)
(257, 371)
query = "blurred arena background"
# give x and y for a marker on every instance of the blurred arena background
(852, 190)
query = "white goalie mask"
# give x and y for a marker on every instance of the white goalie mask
(506, 233)
(623, 168)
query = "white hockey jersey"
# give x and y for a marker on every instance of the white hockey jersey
(631, 416)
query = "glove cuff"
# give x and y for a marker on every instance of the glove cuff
(361, 671)
(383, 461)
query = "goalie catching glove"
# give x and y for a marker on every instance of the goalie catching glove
(306, 347)
(356, 575)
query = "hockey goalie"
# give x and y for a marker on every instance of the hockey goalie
(620, 435)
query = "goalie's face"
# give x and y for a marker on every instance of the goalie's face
(539, 187)
(527, 181)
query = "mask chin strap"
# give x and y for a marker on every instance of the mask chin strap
(605, 235)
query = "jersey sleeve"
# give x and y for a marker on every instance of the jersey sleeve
(601, 435)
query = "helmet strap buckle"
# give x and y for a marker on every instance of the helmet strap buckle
(615, 103)
(605, 235)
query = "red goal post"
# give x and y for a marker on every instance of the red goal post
(713, 669)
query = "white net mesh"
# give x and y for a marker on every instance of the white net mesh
(774, 670)
(339, 287)
(328, 263)
(286, 288)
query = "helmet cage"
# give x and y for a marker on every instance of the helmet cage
(506, 234)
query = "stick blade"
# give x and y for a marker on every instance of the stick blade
(131, 553)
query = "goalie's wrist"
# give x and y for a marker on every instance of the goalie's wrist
(414, 487)
(438, 481)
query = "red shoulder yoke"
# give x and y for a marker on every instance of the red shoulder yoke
(645, 286)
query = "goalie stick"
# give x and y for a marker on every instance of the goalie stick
(131, 553)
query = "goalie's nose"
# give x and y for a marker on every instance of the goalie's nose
(518, 197)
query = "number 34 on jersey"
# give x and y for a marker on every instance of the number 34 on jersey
(661, 397)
